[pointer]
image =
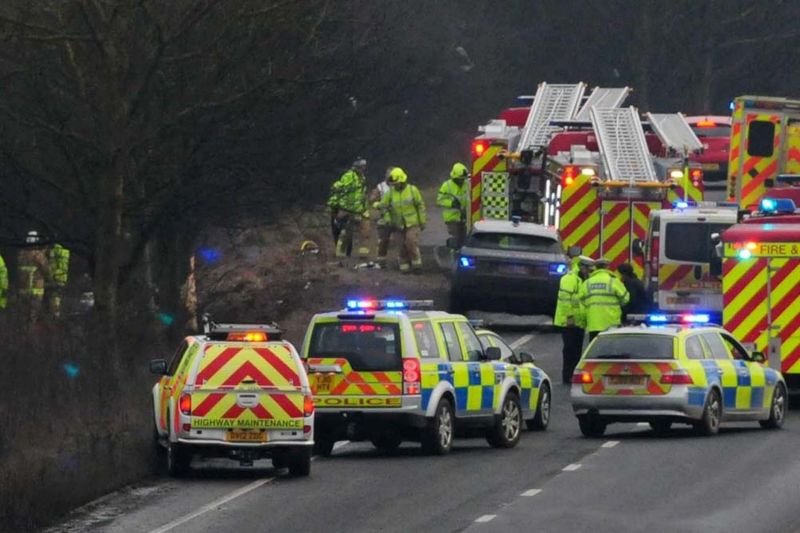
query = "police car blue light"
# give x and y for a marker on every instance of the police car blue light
(661, 318)
(466, 262)
(683, 204)
(558, 269)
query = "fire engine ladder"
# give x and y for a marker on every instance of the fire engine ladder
(622, 145)
(603, 97)
(552, 102)
(674, 132)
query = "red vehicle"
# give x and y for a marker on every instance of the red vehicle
(715, 134)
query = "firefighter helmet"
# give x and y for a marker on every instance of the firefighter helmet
(397, 175)
(309, 247)
(459, 171)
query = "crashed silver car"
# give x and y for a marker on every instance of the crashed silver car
(508, 266)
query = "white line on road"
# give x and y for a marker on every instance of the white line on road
(571, 468)
(485, 518)
(610, 444)
(531, 492)
(213, 505)
(521, 341)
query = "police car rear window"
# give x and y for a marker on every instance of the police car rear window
(691, 241)
(632, 347)
(368, 346)
(511, 241)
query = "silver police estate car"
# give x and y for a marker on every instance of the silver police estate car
(508, 265)
(683, 370)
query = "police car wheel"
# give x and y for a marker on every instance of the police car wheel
(323, 447)
(660, 426)
(178, 459)
(300, 463)
(437, 437)
(387, 442)
(508, 425)
(712, 415)
(591, 426)
(542, 418)
(777, 412)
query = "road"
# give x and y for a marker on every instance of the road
(745, 479)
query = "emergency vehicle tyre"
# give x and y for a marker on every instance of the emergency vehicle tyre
(508, 425)
(660, 426)
(437, 437)
(300, 463)
(591, 426)
(323, 447)
(712, 414)
(542, 418)
(178, 459)
(387, 442)
(777, 412)
(279, 461)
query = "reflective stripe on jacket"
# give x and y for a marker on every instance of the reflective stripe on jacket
(59, 264)
(349, 193)
(568, 304)
(406, 208)
(448, 192)
(602, 295)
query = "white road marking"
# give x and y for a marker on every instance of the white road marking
(486, 518)
(610, 444)
(213, 505)
(521, 341)
(571, 468)
(531, 492)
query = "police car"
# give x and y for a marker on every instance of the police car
(237, 391)
(674, 368)
(387, 371)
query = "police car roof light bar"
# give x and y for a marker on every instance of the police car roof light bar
(388, 304)
(675, 318)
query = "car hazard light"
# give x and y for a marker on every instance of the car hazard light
(582, 377)
(308, 406)
(679, 376)
(185, 404)
(411, 376)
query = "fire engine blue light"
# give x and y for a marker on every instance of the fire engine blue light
(657, 318)
(558, 269)
(768, 205)
(696, 319)
(466, 261)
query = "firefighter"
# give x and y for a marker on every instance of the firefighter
(58, 260)
(384, 222)
(602, 296)
(453, 198)
(636, 290)
(33, 271)
(3, 284)
(348, 204)
(407, 212)
(569, 316)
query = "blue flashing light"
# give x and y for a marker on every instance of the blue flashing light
(732, 105)
(690, 318)
(209, 255)
(697, 319)
(466, 262)
(395, 304)
(361, 304)
(656, 318)
(683, 204)
(558, 269)
(744, 253)
(375, 305)
(768, 205)
(777, 205)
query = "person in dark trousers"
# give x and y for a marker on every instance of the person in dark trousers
(638, 301)
(569, 317)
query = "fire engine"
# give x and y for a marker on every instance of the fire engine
(760, 265)
(765, 147)
(586, 166)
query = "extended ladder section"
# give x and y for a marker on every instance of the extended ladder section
(602, 97)
(622, 145)
(551, 103)
(674, 132)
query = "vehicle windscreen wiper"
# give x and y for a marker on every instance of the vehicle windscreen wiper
(611, 356)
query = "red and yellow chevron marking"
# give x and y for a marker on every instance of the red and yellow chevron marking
(639, 224)
(756, 170)
(744, 300)
(693, 193)
(601, 371)
(615, 231)
(227, 366)
(489, 161)
(784, 302)
(353, 383)
(579, 222)
(735, 148)
(792, 150)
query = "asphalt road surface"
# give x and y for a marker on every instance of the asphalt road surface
(745, 479)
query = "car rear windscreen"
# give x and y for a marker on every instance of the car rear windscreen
(512, 241)
(691, 241)
(631, 347)
(367, 346)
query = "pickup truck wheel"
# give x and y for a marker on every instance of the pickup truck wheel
(178, 459)
(387, 443)
(508, 425)
(437, 437)
(542, 418)
(300, 463)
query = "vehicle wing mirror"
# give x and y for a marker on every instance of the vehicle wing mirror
(716, 238)
(637, 247)
(492, 353)
(158, 366)
(574, 251)
(526, 357)
(758, 357)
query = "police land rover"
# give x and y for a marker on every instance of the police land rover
(387, 371)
